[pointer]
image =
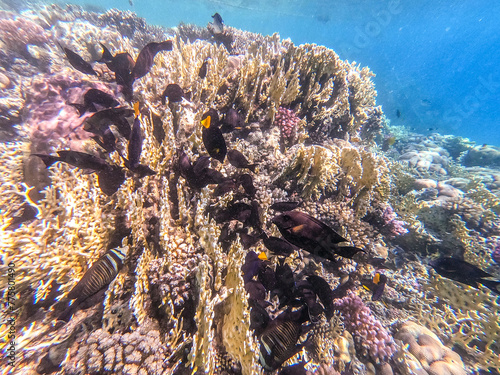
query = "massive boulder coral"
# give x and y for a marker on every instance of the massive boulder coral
(424, 353)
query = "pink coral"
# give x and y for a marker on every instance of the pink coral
(49, 115)
(496, 252)
(287, 121)
(17, 32)
(369, 334)
(391, 226)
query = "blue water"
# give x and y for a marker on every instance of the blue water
(436, 63)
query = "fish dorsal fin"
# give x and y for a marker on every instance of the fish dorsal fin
(206, 122)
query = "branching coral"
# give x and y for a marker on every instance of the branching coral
(463, 316)
(337, 169)
(369, 334)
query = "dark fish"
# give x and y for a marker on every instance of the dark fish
(218, 24)
(75, 158)
(278, 246)
(97, 277)
(100, 121)
(77, 62)
(93, 97)
(284, 277)
(214, 176)
(173, 92)
(312, 235)
(285, 206)
(254, 219)
(238, 160)
(251, 266)
(110, 179)
(256, 290)
(144, 61)
(107, 140)
(278, 342)
(135, 142)
(324, 293)
(232, 121)
(267, 275)
(212, 138)
(184, 165)
(247, 240)
(296, 369)
(259, 318)
(200, 165)
(460, 270)
(305, 294)
(142, 170)
(122, 65)
(225, 187)
(398, 113)
(28, 213)
(202, 73)
(237, 211)
(246, 181)
(376, 286)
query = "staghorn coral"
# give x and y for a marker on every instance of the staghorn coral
(339, 169)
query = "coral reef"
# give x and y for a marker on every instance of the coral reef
(179, 304)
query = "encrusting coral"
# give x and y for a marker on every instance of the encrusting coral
(179, 303)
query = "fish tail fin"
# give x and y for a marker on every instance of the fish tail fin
(106, 55)
(48, 160)
(252, 167)
(81, 108)
(348, 251)
(136, 109)
(492, 285)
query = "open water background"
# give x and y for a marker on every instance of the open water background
(437, 62)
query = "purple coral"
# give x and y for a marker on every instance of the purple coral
(495, 255)
(17, 32)
(391, 226)
(287, 121)
(369, 334)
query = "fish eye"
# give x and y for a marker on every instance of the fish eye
(113, 311)
(286, 217)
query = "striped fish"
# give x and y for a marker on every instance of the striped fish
(278, 343)
(97, 277)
